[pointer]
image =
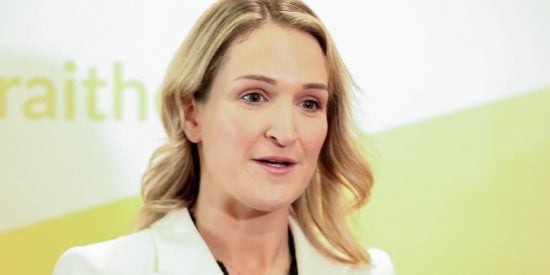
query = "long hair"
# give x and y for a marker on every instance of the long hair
(172, 179)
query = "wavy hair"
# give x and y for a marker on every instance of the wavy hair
(172, 178)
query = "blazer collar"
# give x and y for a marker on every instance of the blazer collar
(310, 260)
(180, 249)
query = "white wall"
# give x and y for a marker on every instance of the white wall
(413, 60)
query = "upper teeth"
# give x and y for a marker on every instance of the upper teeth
(276, 162)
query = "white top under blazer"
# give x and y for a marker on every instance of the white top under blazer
(173, 246)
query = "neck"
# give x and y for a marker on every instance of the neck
(245, 239)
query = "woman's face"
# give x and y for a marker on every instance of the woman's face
(261, 129)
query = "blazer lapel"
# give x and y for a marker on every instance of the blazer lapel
(180, 248)
(310, 261)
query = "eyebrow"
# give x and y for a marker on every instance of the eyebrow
(272, 81)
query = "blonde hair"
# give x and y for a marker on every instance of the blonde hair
(172, 179)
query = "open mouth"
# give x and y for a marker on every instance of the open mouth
(275, 163)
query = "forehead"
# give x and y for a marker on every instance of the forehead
(279, 52)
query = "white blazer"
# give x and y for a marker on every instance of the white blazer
(173, 246)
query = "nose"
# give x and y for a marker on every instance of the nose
(282, 128)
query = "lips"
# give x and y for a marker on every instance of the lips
(276, 161)
(276, 164)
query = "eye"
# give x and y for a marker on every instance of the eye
(310, 105)
(253, 98)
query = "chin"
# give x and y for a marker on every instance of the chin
(272, 198)
(272, 204)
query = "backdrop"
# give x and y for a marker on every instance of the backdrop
(454, 110)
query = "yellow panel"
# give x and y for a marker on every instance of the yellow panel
(466, 193)
(34, 249)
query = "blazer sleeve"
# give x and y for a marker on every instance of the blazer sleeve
(75, 262)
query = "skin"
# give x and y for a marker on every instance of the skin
(268, 99)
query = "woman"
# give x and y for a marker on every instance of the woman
(251, 181)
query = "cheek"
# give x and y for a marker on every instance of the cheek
(231, 130)
(313, 136)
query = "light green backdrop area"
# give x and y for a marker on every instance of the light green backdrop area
(467, 193)
(464, 193)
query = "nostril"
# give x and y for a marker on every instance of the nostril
(282, 134)
(278, 142)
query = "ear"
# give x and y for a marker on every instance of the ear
(191, 125)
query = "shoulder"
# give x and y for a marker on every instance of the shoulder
(312, 261)
(381, 264)
(110, 257)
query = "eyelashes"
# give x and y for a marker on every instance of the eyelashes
(254, 98)
(258, 97)
(311, 105)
